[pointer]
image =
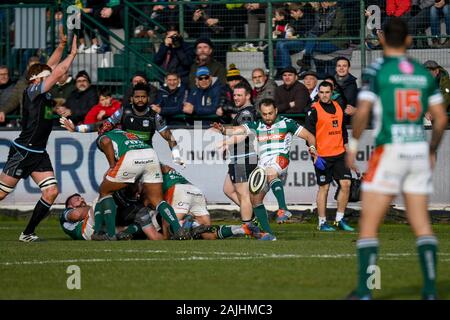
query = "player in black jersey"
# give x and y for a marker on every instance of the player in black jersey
(27, 154)
(137, 118)
(243, 158)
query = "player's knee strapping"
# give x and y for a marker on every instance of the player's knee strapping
(5, 188)
(47, 183)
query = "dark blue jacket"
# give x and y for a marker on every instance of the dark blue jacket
(171, 102)
(207, 101)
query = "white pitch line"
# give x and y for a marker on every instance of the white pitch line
(200, 258)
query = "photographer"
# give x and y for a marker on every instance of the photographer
(174, 55)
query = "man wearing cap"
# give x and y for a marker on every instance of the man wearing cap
(292, 96)
(205, 97)
(80, 100)
(310, 80)
(442, 78)
(204, 58)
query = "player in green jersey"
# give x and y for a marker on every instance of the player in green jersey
(400, 91)
(130, 160)
(274, 136)
(189, 204)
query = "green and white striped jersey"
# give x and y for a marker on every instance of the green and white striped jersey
(401, 90)
(275, 139)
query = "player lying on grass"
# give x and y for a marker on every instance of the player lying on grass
(189, 204)
(78, 221)
(274, 135)
(130, 160)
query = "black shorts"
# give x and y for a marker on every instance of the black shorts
(335, 169)
(240, 172)
(21, 163)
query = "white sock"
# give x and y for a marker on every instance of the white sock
(237, 230)
(339, 216)
(322, 220)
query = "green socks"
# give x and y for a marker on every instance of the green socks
(277, 188)
(224, 232)
(261, 215)
(367, 256)
(169, 215)
(427, 248)
(105, 214)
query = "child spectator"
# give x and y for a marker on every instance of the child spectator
(105, 108)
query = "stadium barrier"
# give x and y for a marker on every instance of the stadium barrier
(79, 167)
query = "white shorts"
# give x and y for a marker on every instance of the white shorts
(187, 199)
(277, 162)
(398, 168)
(135, 164)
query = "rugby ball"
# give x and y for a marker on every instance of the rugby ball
(257, 180)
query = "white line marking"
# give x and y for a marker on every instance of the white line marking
(391, 256)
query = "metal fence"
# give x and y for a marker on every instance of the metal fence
(247, 33)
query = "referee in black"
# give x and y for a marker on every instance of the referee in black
(27, 155)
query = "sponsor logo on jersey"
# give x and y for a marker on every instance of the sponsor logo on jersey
(279, 136)
(145, 123)
(406, 67)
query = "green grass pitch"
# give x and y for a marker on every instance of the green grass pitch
(302, 264)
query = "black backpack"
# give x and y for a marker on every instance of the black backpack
(355, 189)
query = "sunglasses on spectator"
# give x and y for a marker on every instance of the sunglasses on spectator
(203, 78)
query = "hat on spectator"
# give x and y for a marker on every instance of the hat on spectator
(289, 70)
(233, 73)
(83, 74)
(203, 40)
(141, 74)
(202, 71)
(308, 73)
(431, 64)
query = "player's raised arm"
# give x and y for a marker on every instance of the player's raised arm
(231, 130)
(57, 54)
(61, 68)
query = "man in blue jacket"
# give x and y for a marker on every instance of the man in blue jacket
(171, 97)
(207, 95)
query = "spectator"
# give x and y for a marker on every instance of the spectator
(204, 57)
(227, 104)
(264, 88)
(171, 97)
(440, 9)
(310, 80)
(330, 23)
(279, 24)
(203, 21)
(347, 82)
(140, 76)
(81, 100)
(256, 13)
(301, 20)
(204, 99)
(292, 96)
(175, 55)
(398, 8)
(14, 101)
(420, 16)
(234, 19)
(62, 89)
(442, 78)
(337, 95)
(6, 90)
(105, 108)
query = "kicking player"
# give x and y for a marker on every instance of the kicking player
(401, 91)
(274, 135)
(27, 155)
(130, 159)
(188, 201)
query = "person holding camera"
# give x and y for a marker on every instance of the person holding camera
(175, 55)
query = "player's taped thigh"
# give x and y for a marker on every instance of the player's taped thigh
(6, 188)
(47, 183)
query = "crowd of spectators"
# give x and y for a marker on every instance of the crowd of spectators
(197, 83)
